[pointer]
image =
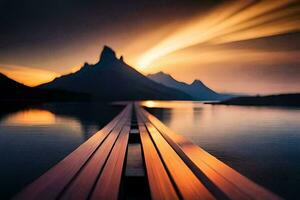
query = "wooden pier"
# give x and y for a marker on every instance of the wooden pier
(136, 156)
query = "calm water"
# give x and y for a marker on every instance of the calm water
(262, 143)
(34, 139)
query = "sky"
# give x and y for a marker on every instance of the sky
(232, 46)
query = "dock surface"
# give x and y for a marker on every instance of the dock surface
(135, 156)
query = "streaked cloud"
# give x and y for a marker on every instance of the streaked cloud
(231, 22)
(235, 46)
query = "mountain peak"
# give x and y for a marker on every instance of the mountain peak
(197, 82)
(161, 74)
(111, 79)
(107, 54)
(197, 90)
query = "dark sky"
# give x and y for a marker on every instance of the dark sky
(43, 39)
(32, 22)
(31, 29)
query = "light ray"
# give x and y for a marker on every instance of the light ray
(235, 21)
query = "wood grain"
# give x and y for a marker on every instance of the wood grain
(52, 183)
(230, 182)
(82, 185)
(108, 185)
(161, 186)
(187, 183)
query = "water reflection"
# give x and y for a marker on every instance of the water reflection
(262, 143)
(169, 104)
(197, 113)
(30, 117)
(32, 139)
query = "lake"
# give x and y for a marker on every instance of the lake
(33, 139)
(263, 143)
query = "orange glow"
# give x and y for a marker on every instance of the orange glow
(38, 117)
(222, 56)
(167, 104)
(32, 117)
(26, 75)
(228, 23)
(218, 68)
(149, 104)
(209, 47)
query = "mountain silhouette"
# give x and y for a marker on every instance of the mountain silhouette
(13, 91)
(291, 100)
(112, 79)
(7, 83)
(197, 90)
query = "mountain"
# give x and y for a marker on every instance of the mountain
(198, 90)
(112, 79)
(13, 91)
(8, 84)
(292, 100)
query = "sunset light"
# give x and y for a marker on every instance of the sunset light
(32, 117)
(235, 21)
(27, 75)
(188, 42)
(150, 99)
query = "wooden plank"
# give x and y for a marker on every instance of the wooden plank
(108, 185)
(160, 184)
(82, 185)
(230, 182)
(187, 183)
(51, 184)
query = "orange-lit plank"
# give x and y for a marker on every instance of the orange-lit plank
(187, 183)
(51, 184)
(81, 186)
(108, 185)
(160, 184)
(233, 184)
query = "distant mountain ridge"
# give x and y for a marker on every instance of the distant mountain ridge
(13, 91)
(198, 90)
(289, 100)
(8, 83)
(112, 79)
